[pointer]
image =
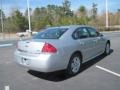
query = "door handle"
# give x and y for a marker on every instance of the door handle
(95, 41)
(82, 43)
(99, 38)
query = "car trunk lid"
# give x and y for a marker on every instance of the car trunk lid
(30, 46)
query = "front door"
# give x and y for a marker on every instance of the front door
(85, 43)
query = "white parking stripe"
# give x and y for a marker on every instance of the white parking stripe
(109, 71)
(7, 88)
(5, 45)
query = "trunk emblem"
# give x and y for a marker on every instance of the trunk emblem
(27, 42)
(26, 45)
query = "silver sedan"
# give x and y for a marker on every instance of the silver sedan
(61, 48)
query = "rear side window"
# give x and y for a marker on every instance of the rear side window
(51, 33)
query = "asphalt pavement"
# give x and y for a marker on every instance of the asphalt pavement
(101, 73)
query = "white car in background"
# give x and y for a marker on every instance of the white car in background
(25, 34)
(61, 48)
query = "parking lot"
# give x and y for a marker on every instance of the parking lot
(101, 73)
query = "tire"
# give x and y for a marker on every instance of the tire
(107, 49)
(74, 65)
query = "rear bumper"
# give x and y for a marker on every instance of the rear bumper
(42, 62)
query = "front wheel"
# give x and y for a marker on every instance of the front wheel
(107, 49)
(74, 65)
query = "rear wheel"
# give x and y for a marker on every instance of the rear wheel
(74, 65)
(107, 49)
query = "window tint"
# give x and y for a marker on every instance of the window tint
(80, 33)
(53, 33)
(93, 32)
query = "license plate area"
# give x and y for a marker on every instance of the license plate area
(25, 61)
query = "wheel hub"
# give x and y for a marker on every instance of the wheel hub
(75, 65)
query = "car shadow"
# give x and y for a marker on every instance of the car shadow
(59, 75)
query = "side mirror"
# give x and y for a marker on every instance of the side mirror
(100, 34)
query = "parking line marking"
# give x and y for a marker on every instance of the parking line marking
(6, 45)
(109, 71)
(7, 88)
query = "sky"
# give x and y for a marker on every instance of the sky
(8, 5)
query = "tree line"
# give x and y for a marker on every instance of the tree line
(56, 15)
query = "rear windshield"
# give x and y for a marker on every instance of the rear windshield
(53, 33)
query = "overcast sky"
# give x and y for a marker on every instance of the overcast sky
(113, 5)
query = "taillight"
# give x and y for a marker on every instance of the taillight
(48, 48)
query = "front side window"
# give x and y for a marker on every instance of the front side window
(50, 33)
(93, 32)
(80, 33)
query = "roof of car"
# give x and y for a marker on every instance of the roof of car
(71, 26)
